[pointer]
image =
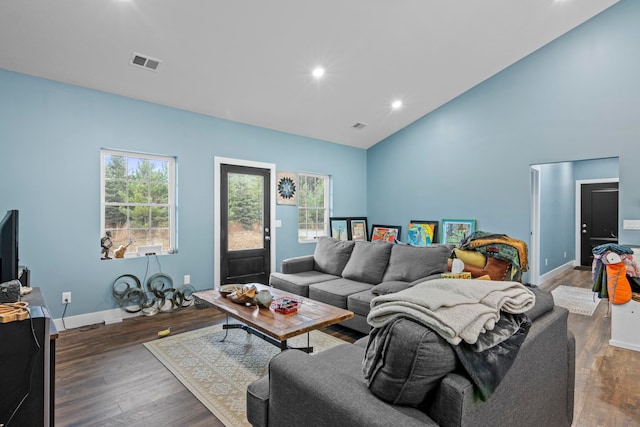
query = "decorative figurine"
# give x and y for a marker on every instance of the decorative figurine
(106, 244)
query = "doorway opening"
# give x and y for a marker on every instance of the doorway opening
(556, 221)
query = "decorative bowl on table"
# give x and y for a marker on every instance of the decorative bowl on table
(244, 295)
(227, 289)
(286, 305)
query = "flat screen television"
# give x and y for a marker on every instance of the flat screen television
(9, 247)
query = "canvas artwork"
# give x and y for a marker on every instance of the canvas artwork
(422, 233)
(454, 231)
(386, 233)
(339, 228)
(359, 229)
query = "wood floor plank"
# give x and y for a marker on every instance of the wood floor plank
(105, 377)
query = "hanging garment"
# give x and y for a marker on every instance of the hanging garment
(618, 285)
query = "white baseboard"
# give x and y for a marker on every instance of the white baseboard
(115, 315)
(628, 346)
(551, 274)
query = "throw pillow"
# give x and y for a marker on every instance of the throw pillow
(409, 263)
(385, 288)
(474, 258)
(331, 255)
(405, 362)
(368, 262)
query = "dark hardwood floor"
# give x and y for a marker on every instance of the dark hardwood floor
(105, 377)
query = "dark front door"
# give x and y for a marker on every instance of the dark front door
(245, 217)
(599, 218)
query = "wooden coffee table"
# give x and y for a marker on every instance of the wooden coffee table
(271, 326)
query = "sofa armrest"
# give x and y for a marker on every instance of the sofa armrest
(309, 391)
(297, 264)
(536, 391)
(571, 349)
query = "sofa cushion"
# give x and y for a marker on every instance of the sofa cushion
(385, 288)
(368, 262)
(298, 283)
(360, 302)
(335, 292)
(406, 361)
(331, 255)
(409, 263)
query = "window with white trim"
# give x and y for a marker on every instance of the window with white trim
(138, 198)
(313, 206)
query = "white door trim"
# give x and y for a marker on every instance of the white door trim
(579, 183)
(534, 265)
(217, 161)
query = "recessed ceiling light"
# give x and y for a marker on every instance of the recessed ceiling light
(396, 104)
(318, 72)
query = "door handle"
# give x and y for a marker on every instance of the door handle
(267, 237)
(584, 231)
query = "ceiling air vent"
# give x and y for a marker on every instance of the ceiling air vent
(359, 125)
(138, 60)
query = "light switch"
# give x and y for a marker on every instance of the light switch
(631, 224)
(278, 223)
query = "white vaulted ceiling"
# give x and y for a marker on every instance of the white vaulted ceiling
(251, 60)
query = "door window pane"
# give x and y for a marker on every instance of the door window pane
(245, 211)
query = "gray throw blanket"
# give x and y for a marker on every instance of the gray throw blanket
(457, 309)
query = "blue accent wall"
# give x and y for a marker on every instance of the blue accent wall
(577, 98)
(51, 135)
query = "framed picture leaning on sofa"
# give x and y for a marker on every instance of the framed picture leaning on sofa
(422, 233)
(386, 233)
(339, 228)
(358, 229)
(454, 231)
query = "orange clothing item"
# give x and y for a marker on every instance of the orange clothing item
(618, 285)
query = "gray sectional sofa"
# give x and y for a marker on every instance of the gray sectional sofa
(349, 274)
(329, 388)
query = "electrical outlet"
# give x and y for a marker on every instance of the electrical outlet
(565, 254)
(546, 261)
(66, 297)
(187, 279)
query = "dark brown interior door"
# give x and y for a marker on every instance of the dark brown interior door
(599, 218)
(245, 238)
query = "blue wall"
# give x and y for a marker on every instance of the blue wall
(576, 98)
(558, 206)
(50, 138)
(557, 215)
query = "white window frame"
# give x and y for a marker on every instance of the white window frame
(172, 203)
(327, 183)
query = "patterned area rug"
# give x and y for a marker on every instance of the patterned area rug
(576, 300)
(218, 373)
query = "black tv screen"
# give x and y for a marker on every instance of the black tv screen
(9, 247)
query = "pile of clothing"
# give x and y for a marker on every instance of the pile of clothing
(615, 274)
(502, 247)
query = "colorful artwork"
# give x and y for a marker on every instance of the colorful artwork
(286, 188)
(359, 229)
(422, 233)
(454, 231)
(386, 233)
(339, 228)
